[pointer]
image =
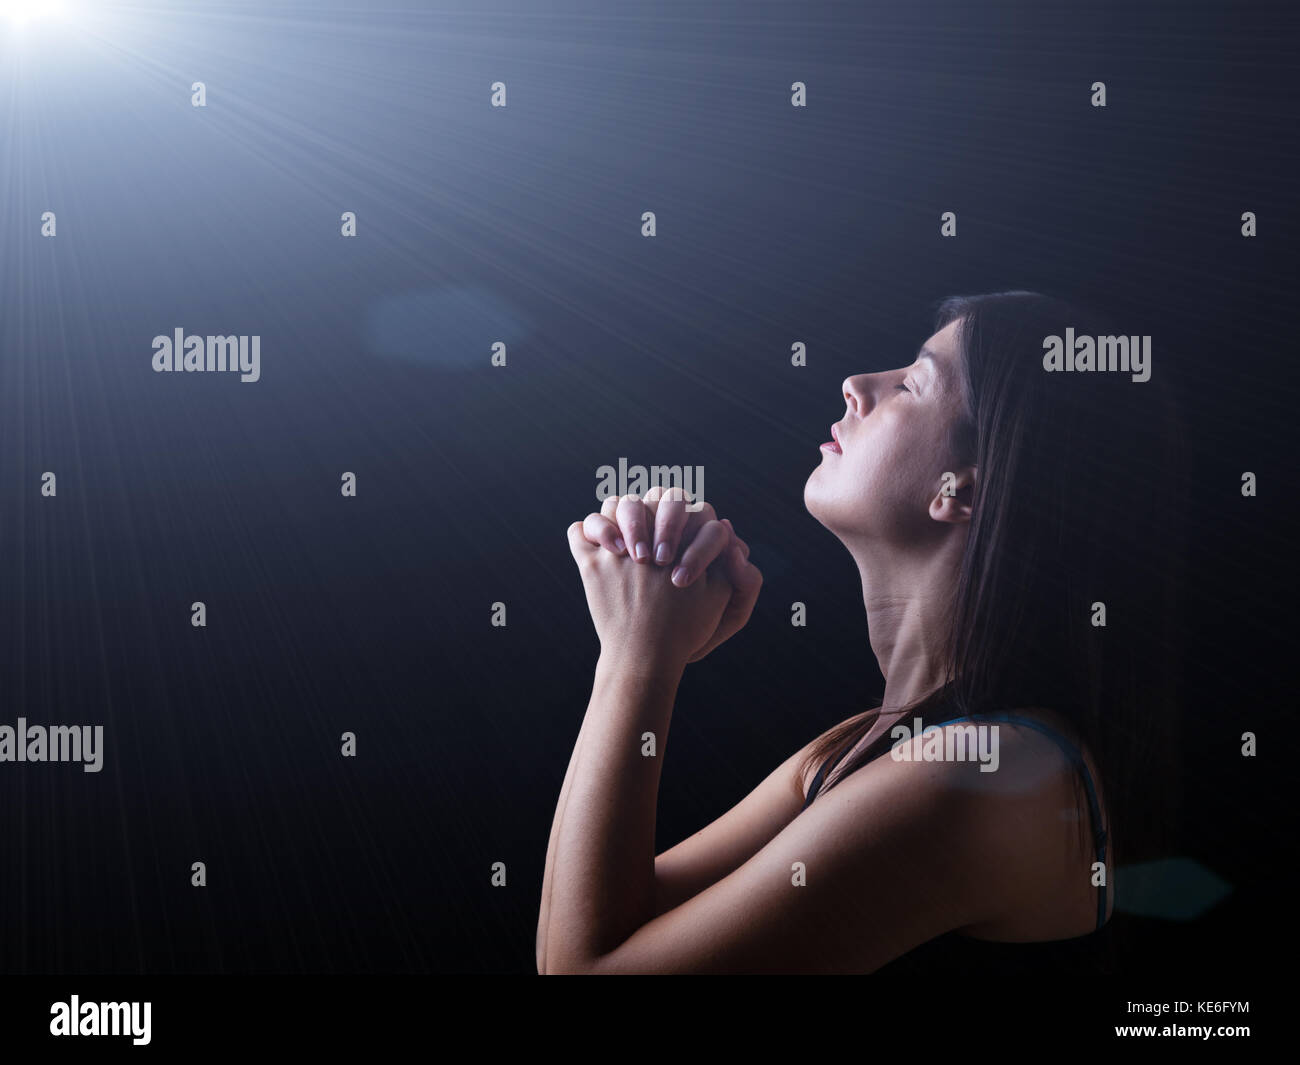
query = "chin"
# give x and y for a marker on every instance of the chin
(810, 494)
(842, 518)
(813, 501)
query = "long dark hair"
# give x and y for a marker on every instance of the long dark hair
(1077, 501)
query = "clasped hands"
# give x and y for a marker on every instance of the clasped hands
(665, 585)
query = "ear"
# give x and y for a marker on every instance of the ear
(956, 492)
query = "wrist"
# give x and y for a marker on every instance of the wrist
(639, 667)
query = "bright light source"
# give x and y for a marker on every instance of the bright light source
(24, 11)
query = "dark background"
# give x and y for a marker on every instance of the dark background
(476, 224)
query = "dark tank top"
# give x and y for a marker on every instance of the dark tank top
(957, 954)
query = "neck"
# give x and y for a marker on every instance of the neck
(909, 601)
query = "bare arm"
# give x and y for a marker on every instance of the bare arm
(599, 884)
(706, 856)
(930, 858)
(545, 913)
(726, 843)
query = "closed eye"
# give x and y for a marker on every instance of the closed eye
(903, 387)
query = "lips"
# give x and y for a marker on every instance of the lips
(833, 445)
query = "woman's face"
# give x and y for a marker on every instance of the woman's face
(895, 443)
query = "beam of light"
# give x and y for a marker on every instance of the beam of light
(20, 12)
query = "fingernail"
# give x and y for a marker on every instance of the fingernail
(679, 575)
(642, 550)
(618, 542)
(662, 553)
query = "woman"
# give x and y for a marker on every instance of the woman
(1012, 530)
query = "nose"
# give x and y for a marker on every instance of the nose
(858, 394)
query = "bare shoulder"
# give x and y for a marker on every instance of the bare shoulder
(1019, 761)
(1001, 795)
(1032, 817)
(1044, 760)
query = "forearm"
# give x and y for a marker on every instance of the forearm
(544, 915)
(599, 886)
